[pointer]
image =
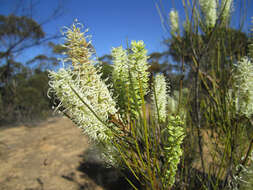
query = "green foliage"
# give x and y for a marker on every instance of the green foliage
(24, 90)
(20, 26)
(43, 62)
(180, 48)
(23, 86)
(25, 97)
(214, 57)
(26, 33)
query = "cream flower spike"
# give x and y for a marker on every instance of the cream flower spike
(244, 83)
(120, 66)
(138, 65)
(209, 10)
(174, 22)
(82, 83)
(160, 98)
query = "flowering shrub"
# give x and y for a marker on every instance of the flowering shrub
(220, 97)
(117, 120)
(244, 84)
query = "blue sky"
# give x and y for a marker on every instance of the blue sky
(111, 22)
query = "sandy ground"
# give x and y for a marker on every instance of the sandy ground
(49, 156)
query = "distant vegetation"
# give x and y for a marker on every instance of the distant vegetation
(24, 83)
(24, 86)
(198, 131)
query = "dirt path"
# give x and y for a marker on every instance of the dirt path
(45, 157)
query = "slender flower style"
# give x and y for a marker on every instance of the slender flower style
(84, 97)
(174, 22)
(209, 10)
(244, 84)
(226, 8)
(160, 97)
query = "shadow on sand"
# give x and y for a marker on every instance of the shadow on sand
(93, 168)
